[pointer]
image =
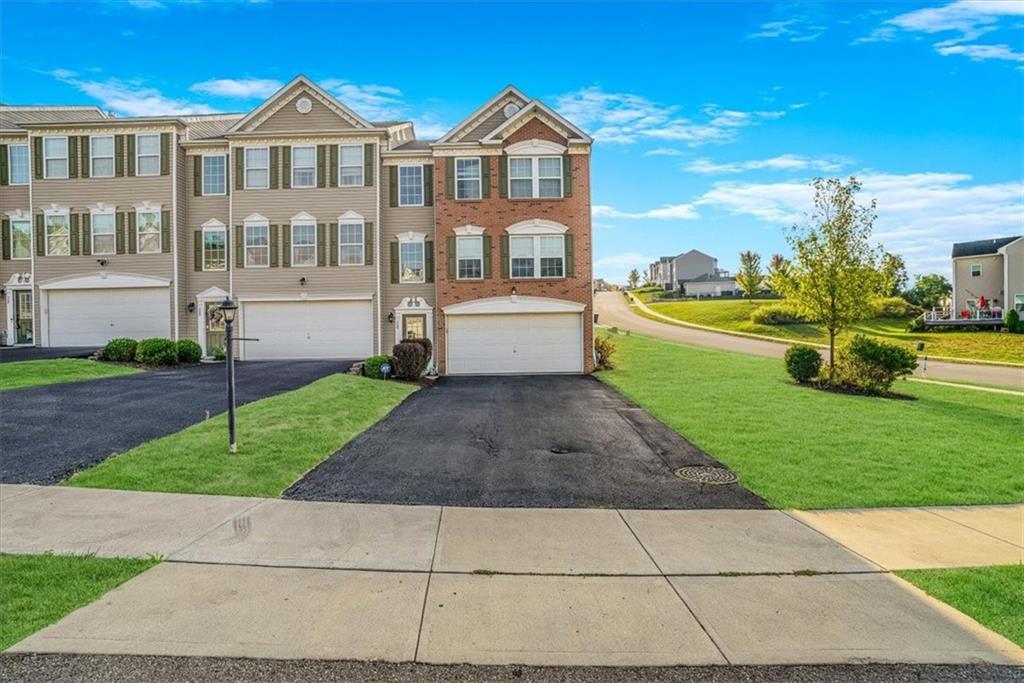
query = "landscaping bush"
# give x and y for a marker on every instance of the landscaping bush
(872, 366)
(409, 360)
(1013, 322)
(371, 366)
(777, 314)
(121, 350)
(219, 353)
(188, 351)
(894, 307)
(603, 350)
(803, 363)
(156, 351)
(916, 325)
(428, 349)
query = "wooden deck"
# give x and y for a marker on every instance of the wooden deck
(947, 318)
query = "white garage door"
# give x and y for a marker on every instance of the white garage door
(515, 343)
(308, 329)
(92, 317)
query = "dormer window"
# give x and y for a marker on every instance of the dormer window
(304, 166)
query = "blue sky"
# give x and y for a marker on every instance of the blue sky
(709, 119)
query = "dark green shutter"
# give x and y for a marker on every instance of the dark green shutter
(504, 256)
(321, 165)
(392, 186)
(119, 156)
(368, 165)
(133, 232)
(566, 175)
(119, 223)
(40, 236)
(131, 156)
(83, 150)
(428, 260)
(503, 176)
(321, 244)
(428, 184)
(286, 251)
(5, 226)
(275, 258)
(73, 240)
(240, 246)
(449, 178)
(286, 168)
(570, 257)
(197, 250)
(485, 177)
(5, 177)
(37, 158)
(332, 242)
(451, 256)
(368, 243)
(487, 254)
(197, 175)
(239, 168)
(274, 168)
(394, 262)
(333, 162)
(165, 153)
(165, 231)
(86, 234)
(72, 156)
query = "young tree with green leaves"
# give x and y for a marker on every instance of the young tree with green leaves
(778, 270)
(633, 278)
(750, 278)
(834, 273)
(893, 270)
(929, 291)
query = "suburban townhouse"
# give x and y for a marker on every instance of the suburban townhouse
(336, 235)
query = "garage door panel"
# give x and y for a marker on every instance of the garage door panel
(308, 329)
(92, 317)
(515, 344)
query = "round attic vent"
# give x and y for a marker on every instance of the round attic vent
(510, 110)
(303, 105)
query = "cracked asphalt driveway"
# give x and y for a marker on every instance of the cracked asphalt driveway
(537, 441)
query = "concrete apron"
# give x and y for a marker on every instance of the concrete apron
(284, 579)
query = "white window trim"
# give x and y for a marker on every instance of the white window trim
(458, 258)
(348, 219)
(246, 169)
(10, 165)
(227, 255)
(293, 167)
(412, 238)
(93, 157)
(101, 211)
(245, 242)
(978, 266)
(536, 258)
(422, 187)
(10, 236)
(139, 155)
(535, 176)
(202, 180)
(138, 228)
(479, 178)
(362, 169)
(67, 161)
(467, 230)
(66, 213)
(316, 248)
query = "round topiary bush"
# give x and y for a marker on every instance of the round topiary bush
(188, 351)
(157, 351)
(803, 363)
(409, 358)
(120, 350)
(371, 366)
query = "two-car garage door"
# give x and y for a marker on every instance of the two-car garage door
(307, 329)
(515, 343)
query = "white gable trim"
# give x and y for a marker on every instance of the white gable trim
(411, 236)
(105, 280)
(277, 101)
(513, 305)
(212, 293)
(303, 216)
(478, 116)
(537, 226)
(256, 218)
(536, 148)
(467, 230)
(213, 223)
(536, 108)
(351, 216)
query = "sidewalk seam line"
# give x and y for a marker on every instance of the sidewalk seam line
(426, 591)
(881, 567)
(201, 536)
(967, 526)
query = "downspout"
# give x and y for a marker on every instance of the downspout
(37, 301)
(377, 246)
(174, 233)
(231, 220)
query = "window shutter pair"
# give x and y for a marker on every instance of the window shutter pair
(286, 256)
(321, 244)
(86, 234)
(503, 176)
(504, 256)
(131, 155)
(5, 227)
(368, 243)
(332, 241)
(566, 175)
(239, 246)
(72, 156)
(449, 178)
(428, 260)
(165, 153)
(40, 235)
(83, 148)
(133, 232)
(394, 261)
(332, 161)
(274, 153)
(275, 259)
(368, 156)
(392, 186)
(5, 173)
(165, 232)
(239, 168)
(37, 158)
(428, 184)
(197, 175)
(197, 250)
(73, 240)
(119, 156)
(286, 167)
(119, 223)
(321, 165)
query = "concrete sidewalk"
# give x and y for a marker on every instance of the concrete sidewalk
(248, 577)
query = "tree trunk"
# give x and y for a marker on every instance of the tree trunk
(831, 355)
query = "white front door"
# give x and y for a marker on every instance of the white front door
(515, 343)
(92, 317)
(307, 329)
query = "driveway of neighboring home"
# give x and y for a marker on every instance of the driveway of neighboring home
(540, 441)
(52, 431)
(17, 354)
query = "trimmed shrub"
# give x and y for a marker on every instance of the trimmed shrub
(428, 350)
(803, 363)
(895, 307)
(1013, 322)
(409, 359)
(188, 351)
(872, 366)
(916, 325)
(371, 366)
(219, 353)
(121, 350)
(603, 350)
(157, 351)
(777, 314)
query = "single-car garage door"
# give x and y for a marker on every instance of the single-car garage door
(515, 343)
(308, 329)
(92, 317)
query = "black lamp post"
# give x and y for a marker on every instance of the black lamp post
(229, 308)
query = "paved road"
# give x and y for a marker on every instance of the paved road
(14, 354)
(49, 432)
(538, 441)
(613, 310)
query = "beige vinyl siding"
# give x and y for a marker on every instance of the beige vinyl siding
(989, 284)
(494, 120)
(196, 211)
(288, 117)
(1015, 269)
(12, 198)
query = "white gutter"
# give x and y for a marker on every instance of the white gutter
(378, 181)
(36, 340)
(174, 233)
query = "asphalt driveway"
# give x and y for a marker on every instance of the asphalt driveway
(16, 354)
(49, 432)
(541, 441)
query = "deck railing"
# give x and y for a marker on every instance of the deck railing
(966, 315)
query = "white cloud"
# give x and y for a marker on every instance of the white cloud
(369, 100)
(667, 212)
(627, 260)
(241, 88)
(131, 98)
(979, 52)
(796, 30)
(663, 152)
(783, 162)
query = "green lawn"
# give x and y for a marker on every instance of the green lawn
(31, 373)
(37, 590)
(803, 448)
(992, 596)
(734, 315)
(279, 439)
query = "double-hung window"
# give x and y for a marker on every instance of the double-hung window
(304, 166)
(410, 186)
(58, 234)
(21, 238)
(470, 257)
(535, 177)
(351, 161)
(257, 245)
(148, 232)
(55, 157)
(467, 178)
(215, 248)
(214, 174)
(147, 154)
(303, 244)
(101, 156)
(537, 256)
(411, 265)
(103, 227)
(17, 164)
(350, 243)
(257, 168)
(976, 270)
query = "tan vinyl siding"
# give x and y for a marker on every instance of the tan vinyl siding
(196, 211)
(12, 198)
(1015, 270)
(989, 284)
(288, 117)
(494, 120)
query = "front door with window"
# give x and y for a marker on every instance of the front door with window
(23, 316)
(214, 327)
(414, 327)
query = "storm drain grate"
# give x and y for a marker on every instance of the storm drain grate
(705, 474)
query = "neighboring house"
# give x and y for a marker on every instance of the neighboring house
(662, 273)
(324, 226)
(601, 285)
(691, 265)
(709, 284)
(993, 269)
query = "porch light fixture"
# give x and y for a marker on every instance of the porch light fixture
(229, 308)
(391, 317)
(302, 281)
(191, 306)
(102, 262)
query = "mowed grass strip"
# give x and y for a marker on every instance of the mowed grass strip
(279, 439)
(803, 448)
(38, 590)
(992, 596)
(30, 373)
